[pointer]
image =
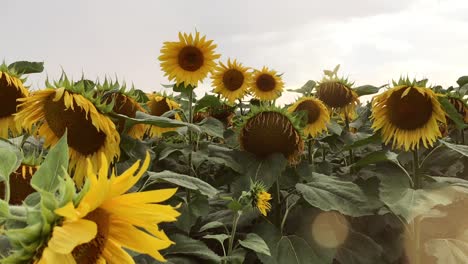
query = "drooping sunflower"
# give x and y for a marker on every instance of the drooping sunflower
(266, 84)
(188, 60)
(158, 105)
(89, 132)
(260, 198)
(407, 114)
(107, 219)
(317, 115)
(11, 89)
(231, 81)
(270, 130)
(461, 106)
(338, 95)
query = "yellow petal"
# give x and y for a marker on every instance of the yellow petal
(155, 196)
(114, 254)
(71, 234)
(51, 257)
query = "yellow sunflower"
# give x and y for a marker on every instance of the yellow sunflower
(11, 89)
(89, 133)
(126, 105)
(317, 115)
(266, 84)
(189, 60)
(107, 219)
(260, 198)
(268, 131)
(407, 114)
(158, 105)
(20, 184)
(232, 81)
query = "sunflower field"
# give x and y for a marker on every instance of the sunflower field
(95, 171)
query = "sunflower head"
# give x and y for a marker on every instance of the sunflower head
(188, 60)
(11, 89)
(158, 105)
(260, 198)
(271, 130)
(232, 80)
(90, 133)
(108, 219)
(20, 183)
(337, 94)
(124, 102)
(461, 106)
(408, 114)
(266, 84)
(317, 115)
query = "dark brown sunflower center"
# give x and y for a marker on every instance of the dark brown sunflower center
(90, 252)
(410, 112)
(266, 82)
(191, 58)
(334, 94)
(159, 108)
(19, 184)
(124, 106)
(313, 111)
(82, 135)
(8, 95)
(233, 79)
(271, 132)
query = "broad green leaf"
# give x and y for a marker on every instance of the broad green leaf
(8, 163)
(462, 80)
(185, 181)
(334, 127)
(206, 102)
(185, 245)
(4, 209)
(190, 213)
(143, 118)
(396, 193)
(212, 126)
(359, 249)
(306, 89)
(211, 225)
(452, 112)
(375, 138)
(295, 250)
(256, 243)
(462, 149)
(271, 235)
(449, 250)
(55, 166)
(330, 193)
(376, 157)
(237, 256)
(26, 67)
(267, 170)
(219, 237)
(366, 90)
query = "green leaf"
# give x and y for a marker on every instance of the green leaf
(207, 101)
(55, 166)
(359, 249)
(237, 256)
(219, 237)
(211, 225)
(212, 126)
(334, 127)
(449, 250)
(402, 200)
(452, 112)
(376, 157)
(462, 149)
(332, 194)
(373, 139)
(267, 170)
(8, 162)
(271, 235)
(306, 89)
(26, 67)
(186, 181)
(185, 245)
(143, 118)
(295, 250)
(256, 243)
(366, 90)
(462, 81)
(190, 213)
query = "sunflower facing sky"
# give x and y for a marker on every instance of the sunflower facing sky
(317, 115)
(407, 114)
(158, 105)
(231, 80)
(266, 84)
(268, 131)
(89, 132)
(188, 60)
(107, 219)
(11, 89)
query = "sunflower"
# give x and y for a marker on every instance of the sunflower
(11, 89)
(266, 84)
(260, 198)
(126, 105)
(158, 105)
(461, 106)
(20, 183)
(317, 115)
(189, 60)
(107, 219)
(407, 114)
(270, 130)
(89, 133)
(232, 81)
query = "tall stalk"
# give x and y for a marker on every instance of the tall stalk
(309, 148)
(190, 120)
(416, 222)
(233, 231)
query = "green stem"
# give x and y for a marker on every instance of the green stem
(416, 176)
(309, 148)
(233, 232)
(240, 107)
(278, 204)
(6, 184)
(190, 98)
(462, 134)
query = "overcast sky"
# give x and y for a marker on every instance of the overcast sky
(375, 41)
